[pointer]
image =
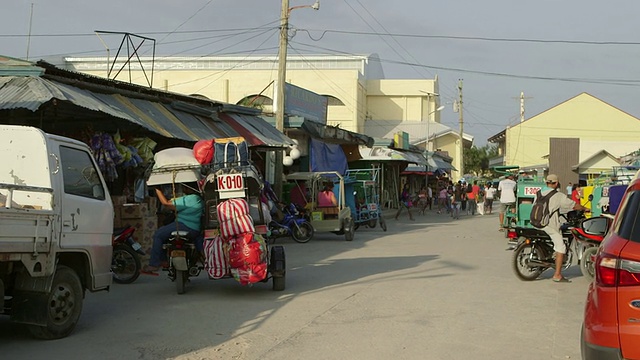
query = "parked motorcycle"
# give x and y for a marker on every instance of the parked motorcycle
(589, 234)
(294, 224)
(534, 250)
(125, 260)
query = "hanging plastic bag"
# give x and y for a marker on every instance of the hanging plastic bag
(203, 151)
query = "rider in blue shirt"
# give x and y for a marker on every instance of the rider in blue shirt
(188, 210)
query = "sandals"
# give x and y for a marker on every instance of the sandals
(561, 280)
(150, 270)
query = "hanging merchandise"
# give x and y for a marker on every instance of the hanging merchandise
(122, 149)
(145, 148)
(134, 159)
(105, 152)
(129, 153)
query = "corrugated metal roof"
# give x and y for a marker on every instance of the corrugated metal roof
(16, 67)
(164, 119)
(383, 153)
(256, 130)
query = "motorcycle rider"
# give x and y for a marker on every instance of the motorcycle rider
(558, 203)
(188, 215)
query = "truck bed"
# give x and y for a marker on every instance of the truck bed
(25, 231)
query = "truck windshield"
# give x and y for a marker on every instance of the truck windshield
(80, 176)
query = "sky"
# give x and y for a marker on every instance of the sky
(552, 50)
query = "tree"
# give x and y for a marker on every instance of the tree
(476, 160)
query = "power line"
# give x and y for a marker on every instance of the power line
(634, 82)
(474, 38)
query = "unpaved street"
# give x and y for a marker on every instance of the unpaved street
(426, 289)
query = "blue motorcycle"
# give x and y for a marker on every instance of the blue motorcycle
(293, 223)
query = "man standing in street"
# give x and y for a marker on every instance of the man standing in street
(558, 203)
(507, 190)
(489, 194)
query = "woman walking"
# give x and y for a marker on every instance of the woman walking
(405, 202)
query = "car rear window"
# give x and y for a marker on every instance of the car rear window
(630, 218)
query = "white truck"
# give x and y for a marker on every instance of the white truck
(56, 225)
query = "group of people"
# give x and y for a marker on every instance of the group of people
(452, 198)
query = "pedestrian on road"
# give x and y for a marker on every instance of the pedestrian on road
(489, 195)
(405, 202)
(506, 188)
(442, 200)
(575, 193)
(429, 196)
(456, 201)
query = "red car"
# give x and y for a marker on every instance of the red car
(611, 328)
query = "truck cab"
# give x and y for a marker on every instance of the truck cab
(56, 224)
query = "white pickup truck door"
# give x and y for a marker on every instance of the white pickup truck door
(87, 211)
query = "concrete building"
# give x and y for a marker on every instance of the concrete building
(360, 99)
(573, 138)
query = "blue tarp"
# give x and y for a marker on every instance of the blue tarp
(327, 157)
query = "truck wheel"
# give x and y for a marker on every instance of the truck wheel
(64, 306)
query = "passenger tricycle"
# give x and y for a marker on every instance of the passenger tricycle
(234, 219)
(336, 219)
(366, 208)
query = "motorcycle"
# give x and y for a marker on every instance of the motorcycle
(589, 234)
(294, 223)
(125, 259)
(183, 259)
(534, 252)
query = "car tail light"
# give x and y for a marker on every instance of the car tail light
(612, 271)
(629, 273)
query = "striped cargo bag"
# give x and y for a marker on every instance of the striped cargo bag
(234, 218)
(217, 263)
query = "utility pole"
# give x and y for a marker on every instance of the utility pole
(461, 121)
(282, 75)
(522, 99)
(280, 86)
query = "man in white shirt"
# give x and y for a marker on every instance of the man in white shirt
(558, 204)
(507, 190)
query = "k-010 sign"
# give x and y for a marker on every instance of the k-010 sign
(230, 186)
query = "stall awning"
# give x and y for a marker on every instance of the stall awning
(256, 130)
(332, 134)
(171, 119)
(382, 153)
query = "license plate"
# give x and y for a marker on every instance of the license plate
(230, 186)
(178, 253)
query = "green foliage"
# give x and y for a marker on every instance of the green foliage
(476, 160)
